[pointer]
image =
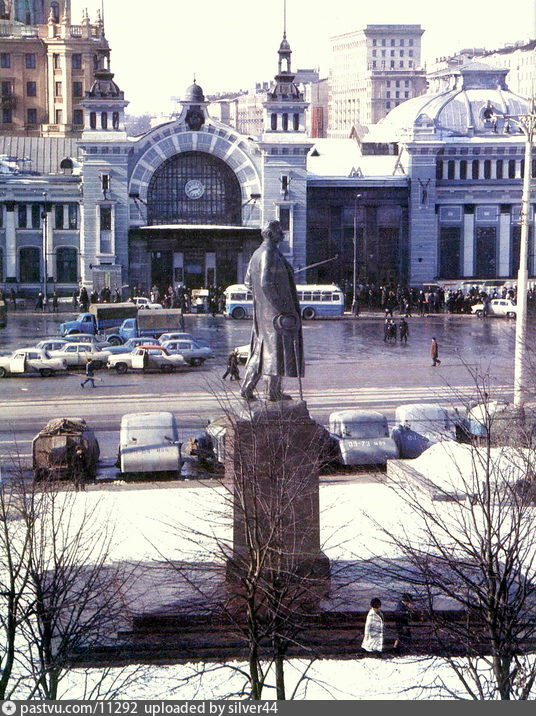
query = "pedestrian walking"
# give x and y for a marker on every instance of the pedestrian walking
(373, 638)
(55, 302)
(386, 330)
(405, 612)
(434, 353)
(232, 367)
(79, 468)
(40, 302)
(392, 331)
(13, 299)
(90, 373)
(404, 330)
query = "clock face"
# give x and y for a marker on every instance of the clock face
(194, 189)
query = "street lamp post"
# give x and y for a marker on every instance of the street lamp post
(354, 276)
(527, 124)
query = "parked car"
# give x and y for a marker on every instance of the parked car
(53, 447)
(419, 425)
(174, 336)
(129, 345)
(26, 361)
(51, 344)
(77, 354)
(96, 340)
(149, 357)
(242, 353)
(149, 444)
(144, 302)
(362, 437)
(192, 352)
(497, 307)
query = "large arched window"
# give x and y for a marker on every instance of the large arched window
(66, 264)
(55, 8)
(29, 265)
(194, 188)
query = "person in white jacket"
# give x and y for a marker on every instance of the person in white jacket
(373, 639)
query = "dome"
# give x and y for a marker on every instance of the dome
(474, 104)
(104, 86)
(194, 93)
(284, 46)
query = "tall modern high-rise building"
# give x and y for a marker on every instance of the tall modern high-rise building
(46, 66)
(373, 70)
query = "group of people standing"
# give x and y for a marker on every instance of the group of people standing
(391, 330)
(373, 639)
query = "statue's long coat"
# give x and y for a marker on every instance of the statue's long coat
(271, 279)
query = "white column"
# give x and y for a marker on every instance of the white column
(51, 259)
(11, 245)
(504, 244)
(468, 244)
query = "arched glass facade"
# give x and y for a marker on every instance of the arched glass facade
(194, 188)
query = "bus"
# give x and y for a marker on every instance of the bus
(316, 300)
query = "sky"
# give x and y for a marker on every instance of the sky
(158, 47)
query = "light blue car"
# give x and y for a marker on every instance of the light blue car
(129, 345)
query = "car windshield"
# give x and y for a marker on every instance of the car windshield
(361, 430)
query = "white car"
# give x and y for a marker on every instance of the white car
(95, 340)
(146, 358)
(192, 352)
(77, 355)
(30, 360)
(51, 344)
(242, 353)
(497, 307)
(174, 336)
(143, 302)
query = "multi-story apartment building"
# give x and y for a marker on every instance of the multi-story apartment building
(373, 70)
(46, 66)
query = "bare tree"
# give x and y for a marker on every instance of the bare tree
(470, 545)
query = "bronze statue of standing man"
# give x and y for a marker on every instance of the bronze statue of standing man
(276, 337)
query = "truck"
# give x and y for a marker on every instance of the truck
(54, 446)
(152, 324)
(100, 318)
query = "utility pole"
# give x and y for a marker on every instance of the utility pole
(526, 124)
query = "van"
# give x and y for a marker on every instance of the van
(149, 445)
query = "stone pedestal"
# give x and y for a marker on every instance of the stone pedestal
(272, 455)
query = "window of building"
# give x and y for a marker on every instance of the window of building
(58, 216)
(1, 214)
(383, 42)
(410, 53)
(56, 61)
(388, 93)
(58, 115)
(392, 53)
(401, 63)
(104, 120)
(115, 120)
(373, 64)
(296, 121)
(76, 61)
(392, 64)
(383, 53)
(31, 89)
(410, 63)
(77, 89)
(401, 53)
(511, 169)
(73, 216)
(450, 169)
(55, 10)
(374, 43)
(106, 218)
(23, 216)
(7, 115)
(284, 218)
(78, 116)
(487, 169)
(7, 88)
(397, 94)
(66, 264)
(392, 43)
(388, 83)
(387, 105)
(401, 43)
(36, 216)
(463, 169)
(5, 59)
(439, 169)
(273, 121)
(406, 94)
(57, 89)
(475, 168)
(499, 168)
(373, 53)
(29, 265)
(397, 83)
(31, 116)
(93, 122)
(284, 121)
(410, 43)
(30, 60)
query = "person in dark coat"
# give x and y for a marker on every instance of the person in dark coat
(84, 299)
(276, 337)
(55, 302)
(90, 373)
(40, 302)
(232, 367)
(404, 330)
(434, 353)
(79, 468)
(405, 612)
